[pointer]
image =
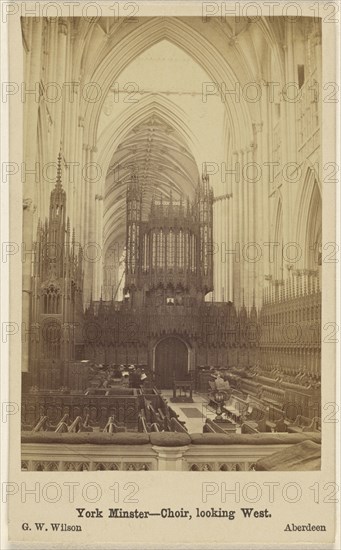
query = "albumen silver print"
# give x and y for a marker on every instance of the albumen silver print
(174, 295)
(174, 260)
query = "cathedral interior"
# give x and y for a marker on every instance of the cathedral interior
(173, 203)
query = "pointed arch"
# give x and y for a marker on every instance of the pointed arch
(190, 40)
(277, 237)
(149, 106)
(152, 104)
(308, 219)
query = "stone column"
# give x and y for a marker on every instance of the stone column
(230, 242)
(289, 138)
(60, 81)
(252, 250)
(85, 192)
(221, 237)
(235, 238)
(79, 183)
(52, 73)
(99, 266)
(258, 220)
(30, 176)
(218, 260)
(242, 224)
(170, 458)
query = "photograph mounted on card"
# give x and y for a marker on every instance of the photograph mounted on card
(178, 284)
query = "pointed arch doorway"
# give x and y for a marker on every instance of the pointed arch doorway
(171, 361)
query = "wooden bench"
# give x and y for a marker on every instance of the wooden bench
(166, 424)
(173, 414)
(41, 424)
(142, 425)
(219, 427)
(154, 416)
(249, 427)
(266, 381)
(281, 425)
(62, 425)
(161, 413)
(113, 426)
(236, 407)
(273, 396)
(176, 426)
(78, 426)
(305, 424)
(257, 414)
(211, 426)
(250, 387)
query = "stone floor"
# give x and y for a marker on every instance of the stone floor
(200, 402)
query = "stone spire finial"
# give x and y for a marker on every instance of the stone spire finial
(59, 170)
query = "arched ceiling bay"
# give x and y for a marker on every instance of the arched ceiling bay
(159, 151)
(163, 163)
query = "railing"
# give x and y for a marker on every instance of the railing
(96, 407)
(153, 451)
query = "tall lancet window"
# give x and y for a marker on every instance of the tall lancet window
(129, 247)
(170, 249)
(133, 246)
(160, 249)
(52, 300)
(187, 250)
(181, 249)
(204, 244)
(201, 244)
(205, 212)
(154, 250)
(146, 253)
(193, 255)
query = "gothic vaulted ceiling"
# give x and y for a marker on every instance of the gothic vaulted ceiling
(163, 162)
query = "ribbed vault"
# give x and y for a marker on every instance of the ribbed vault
(164, 164)
(156, 132)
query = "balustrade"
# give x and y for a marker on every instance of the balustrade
(200, 453)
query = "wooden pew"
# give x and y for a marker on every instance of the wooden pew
(41, 424)
(236, 407)
(62, 426)
(176, 426)
(154, 416)
(305, 424)
(250, 386)
(249, 428)
(173, 414)
(113, 426)
(142, 425)
(215, 427)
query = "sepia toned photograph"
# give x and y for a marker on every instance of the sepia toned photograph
(172, 234)
(170, 264)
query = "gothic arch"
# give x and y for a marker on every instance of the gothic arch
(309, 219)
(185, 37)
(182, 340)
(276, 236)
(149, 106)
